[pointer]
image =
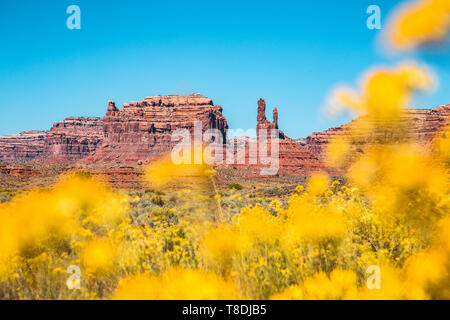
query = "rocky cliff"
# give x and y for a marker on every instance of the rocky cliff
(141, 131)
(419, 125)
(22, 147)
(72, 139)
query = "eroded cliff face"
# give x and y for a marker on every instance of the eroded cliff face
(142, 131)
(22, 147)
(138, 132)
(421, 125)
(66, 142)
(72, 139)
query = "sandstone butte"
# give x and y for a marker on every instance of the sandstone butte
(294, 159)
(141, 131)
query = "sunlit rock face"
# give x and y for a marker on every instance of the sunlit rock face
(72, 139)
(22, 147)
(141, 131)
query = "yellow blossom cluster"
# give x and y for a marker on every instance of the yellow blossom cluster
(419, 22)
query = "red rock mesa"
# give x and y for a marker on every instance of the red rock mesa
(141, 131)
(72, 139)
(22, 147)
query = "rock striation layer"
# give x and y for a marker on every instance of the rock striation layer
(142, 131)
(421, 125)
(72, 139)
(22, 147)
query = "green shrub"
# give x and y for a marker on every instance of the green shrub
(158, 200)
(235, 186)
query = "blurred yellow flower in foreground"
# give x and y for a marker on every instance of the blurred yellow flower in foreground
(98, 256)
(52, 218)
(341, 284)
(318, 183)
(309, 221)
(384, 92)
(419, 22)
(176, 284)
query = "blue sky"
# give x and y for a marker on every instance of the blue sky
(289, 52)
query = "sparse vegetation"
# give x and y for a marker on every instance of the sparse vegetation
(313, 241)
(234, 186)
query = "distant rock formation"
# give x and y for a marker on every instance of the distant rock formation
(262, 122)
(22, 147)
(141, 131)
(293, 158)
(137, 133)
(72, 139)
(419, 125)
